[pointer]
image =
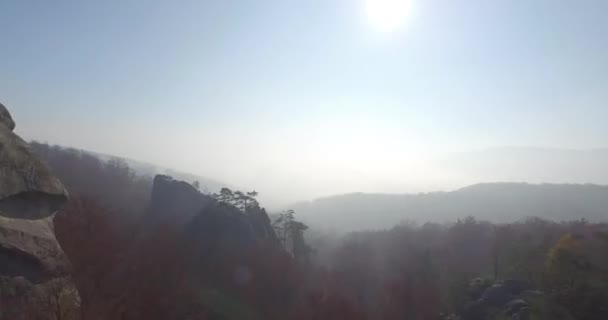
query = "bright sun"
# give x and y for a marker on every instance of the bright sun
(388, 15)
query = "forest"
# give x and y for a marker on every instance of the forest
(142, 248)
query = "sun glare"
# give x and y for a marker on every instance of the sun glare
(387, 15)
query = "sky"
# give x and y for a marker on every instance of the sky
(304, 98)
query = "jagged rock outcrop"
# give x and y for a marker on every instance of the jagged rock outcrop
(175, 201)
(181, 204)
(33, 268)
(507, 296)
(28, 189)
(194, 255)
(28, 248)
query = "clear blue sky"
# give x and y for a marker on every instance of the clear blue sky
(307, 91)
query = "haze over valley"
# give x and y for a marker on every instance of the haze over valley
(304, 160)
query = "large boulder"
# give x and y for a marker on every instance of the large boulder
(28, 248)
(28, 189)
(509, 297)
(477, 287)
(32, 264)
(516, 306)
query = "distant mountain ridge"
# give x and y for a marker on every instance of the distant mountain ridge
(498, 202)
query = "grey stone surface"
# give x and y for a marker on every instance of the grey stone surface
(28, 189)
(5, 118)
(33, 269)
(29, 248)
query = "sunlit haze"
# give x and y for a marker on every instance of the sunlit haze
(305, 99)
(388, 15)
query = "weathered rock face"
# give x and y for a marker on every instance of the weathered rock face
(203, 219)
(31, 261)
(28, 248)
(5, 118)
(182, 204)
(21, 299)
(28, 189)
(175, 201)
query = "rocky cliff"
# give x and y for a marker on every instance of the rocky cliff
(33, 268)
(201, 215)
(193, 255)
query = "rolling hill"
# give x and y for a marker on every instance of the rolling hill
(498, 202)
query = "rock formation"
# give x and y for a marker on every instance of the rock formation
(209, 226)
(189, 253)
(508, 297)
(175, 201)
(182, 204)
(33, 268)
